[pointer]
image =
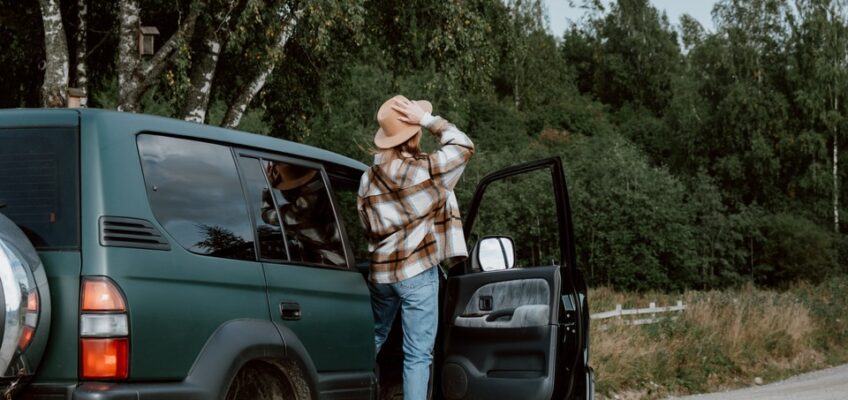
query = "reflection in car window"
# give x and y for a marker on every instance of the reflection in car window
(303, 205)
(195, 193)
(268, 230)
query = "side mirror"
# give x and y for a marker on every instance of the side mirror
(493, 253)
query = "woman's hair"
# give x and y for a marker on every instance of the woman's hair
(412, 146)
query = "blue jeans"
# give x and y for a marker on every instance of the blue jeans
(418, 300)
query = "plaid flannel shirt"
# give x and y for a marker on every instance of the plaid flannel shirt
(409, 210)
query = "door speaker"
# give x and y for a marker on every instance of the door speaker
(454, 381)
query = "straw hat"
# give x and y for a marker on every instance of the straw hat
(286, 177)
(392, 130)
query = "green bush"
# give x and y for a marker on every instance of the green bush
(793, 248)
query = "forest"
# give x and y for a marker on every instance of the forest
(696, 158)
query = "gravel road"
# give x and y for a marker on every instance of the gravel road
(828, 384)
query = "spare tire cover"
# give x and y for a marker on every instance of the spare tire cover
(25, 311)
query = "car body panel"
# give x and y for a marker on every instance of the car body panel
(61, 354)
(38, 117)
(176, 299)
(336, 316)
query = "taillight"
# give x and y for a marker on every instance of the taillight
(100, 294)
(104, 331)
(105, 358)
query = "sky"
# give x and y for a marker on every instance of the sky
(560, 13)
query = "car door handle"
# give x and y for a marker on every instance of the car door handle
(290, 311)
(494, 315)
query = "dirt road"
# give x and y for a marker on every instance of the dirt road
(828, 384)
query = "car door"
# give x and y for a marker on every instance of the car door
(517, 332)
(316, 296)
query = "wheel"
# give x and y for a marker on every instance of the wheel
(24, 306)
(261, 380)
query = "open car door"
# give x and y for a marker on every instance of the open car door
(516, 316)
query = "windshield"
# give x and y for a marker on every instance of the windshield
(39, 184)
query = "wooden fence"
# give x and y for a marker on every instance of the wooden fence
(652, 311)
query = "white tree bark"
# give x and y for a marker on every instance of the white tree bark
(55, 86)
(201, 82)
(82, 49)
(128, 57)
(236, 110)
(134, 76)
(835, 171)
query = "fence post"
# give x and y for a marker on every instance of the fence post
(653, 307)
(618, 311)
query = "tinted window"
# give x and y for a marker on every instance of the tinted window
(268, 230)
(39, 184)
(195, 193)
(303, 205)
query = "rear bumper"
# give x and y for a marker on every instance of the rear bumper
(116, 391)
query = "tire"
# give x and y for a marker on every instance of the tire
(25, 329)
(268, 380)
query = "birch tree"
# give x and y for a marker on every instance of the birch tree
(274, 20)
(81, 50)
(820, 50)
(527, 17)
(248, 92)
(136, 76)
(55, 86)
(203, 74)
(203, 71)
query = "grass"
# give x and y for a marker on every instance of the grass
(723, 340)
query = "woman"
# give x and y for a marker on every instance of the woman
(411, 216)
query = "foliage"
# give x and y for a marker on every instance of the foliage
(695, 158)
(792, 249)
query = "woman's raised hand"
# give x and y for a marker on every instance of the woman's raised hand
(410, 111)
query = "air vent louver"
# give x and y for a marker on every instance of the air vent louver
(131, 232)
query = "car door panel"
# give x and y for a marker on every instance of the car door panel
(506, 357)
(519, 303)
(508, 333)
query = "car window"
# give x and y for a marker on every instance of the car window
(302, 203)
(523, 208)
(268, 231)
(39, 184)
(196, 195)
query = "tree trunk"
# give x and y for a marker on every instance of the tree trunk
(835, 171)
(55, 86)
(134, 76)
(82, 49)
(249, 91)
(128, 57)
(201, 81)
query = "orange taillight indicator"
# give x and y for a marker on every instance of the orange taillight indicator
(105, 358)
(104, 331)
(100, 294)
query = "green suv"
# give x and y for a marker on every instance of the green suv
(151, 258)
